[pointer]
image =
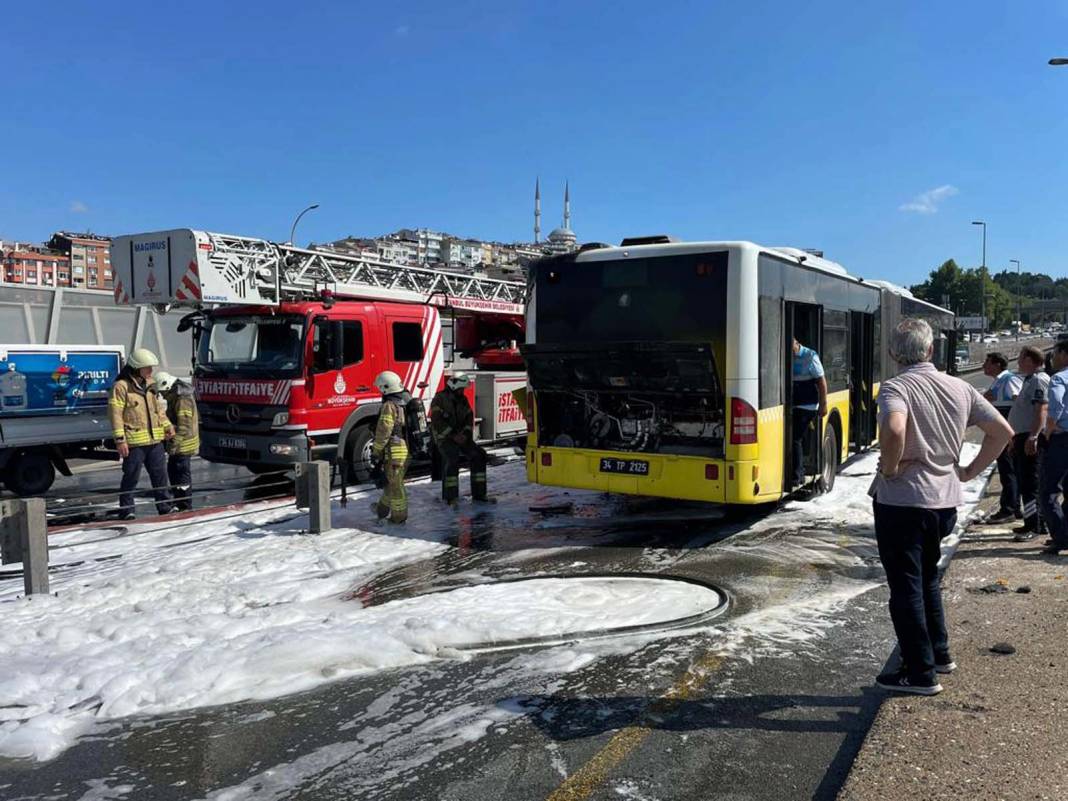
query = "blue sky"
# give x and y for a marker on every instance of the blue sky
(810, 124)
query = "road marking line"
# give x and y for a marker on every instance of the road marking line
(581, 784)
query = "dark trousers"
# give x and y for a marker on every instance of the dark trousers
(451, 453)
(910, 546)
(1027, 474)
(1010, 487)
(180, 475)
(802, 421)
(154, 459)
(1054, 472)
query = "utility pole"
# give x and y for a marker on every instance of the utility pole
(1019, 313)
(982, 278)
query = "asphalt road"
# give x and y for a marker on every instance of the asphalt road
(771, 703)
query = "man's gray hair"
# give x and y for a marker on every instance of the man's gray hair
(911, 342)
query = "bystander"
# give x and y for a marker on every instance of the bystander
(923, 415)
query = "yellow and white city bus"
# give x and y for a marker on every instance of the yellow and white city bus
(663, 368)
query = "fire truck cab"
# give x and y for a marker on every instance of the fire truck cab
(290, 378)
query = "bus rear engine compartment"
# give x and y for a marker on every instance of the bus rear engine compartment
(649, 397)
(630, 422)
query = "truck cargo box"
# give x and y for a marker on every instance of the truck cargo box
(56, 379)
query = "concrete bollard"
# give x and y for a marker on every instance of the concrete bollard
(313, 494)
(24, 538)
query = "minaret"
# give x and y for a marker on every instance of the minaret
(567, 206)
(537, 210)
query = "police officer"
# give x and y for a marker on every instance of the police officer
(390, 447)
(809, 403)
(140, 426)
(452, 426)
(183, 415)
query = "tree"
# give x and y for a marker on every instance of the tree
(963, 290)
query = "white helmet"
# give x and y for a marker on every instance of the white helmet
(389, 383)
(142, 357)
(164, 381)
(459, 381)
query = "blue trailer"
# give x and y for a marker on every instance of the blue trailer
(53, 406)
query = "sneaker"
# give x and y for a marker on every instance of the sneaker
(487, 499)
(452, 504)
(898, 681)
(1053, 550)
(945, 666)
(1026, 528)
(127, 516)
(1024, 536)
(1001, 516)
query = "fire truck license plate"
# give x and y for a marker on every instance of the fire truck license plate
(232, 442)
(630, 467)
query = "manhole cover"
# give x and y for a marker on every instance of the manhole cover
(544, 611)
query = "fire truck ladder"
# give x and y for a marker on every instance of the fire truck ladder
(285, 272)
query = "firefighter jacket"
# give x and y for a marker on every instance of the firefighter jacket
(390, 442)
(451, 414)
(183, 415)
(136, 411)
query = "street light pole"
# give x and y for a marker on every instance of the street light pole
(293, 230)
(1019, 313)
(982, 277)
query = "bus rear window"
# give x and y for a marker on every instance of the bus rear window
(664, 299)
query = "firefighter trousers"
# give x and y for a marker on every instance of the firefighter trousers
(180, 474)
(154, 458)
(451, 453)
(394, 501)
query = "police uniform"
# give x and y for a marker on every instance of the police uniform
(138, 418)
(391, 447)
(183, 415)
(807, 373)
(451, 419)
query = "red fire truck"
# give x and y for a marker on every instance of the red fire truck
(288, 341)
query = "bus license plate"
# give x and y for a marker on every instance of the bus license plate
(630, 467)
(232, 442)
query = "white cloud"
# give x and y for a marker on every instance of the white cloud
(928, 202)
(402, 30)
(78, 207)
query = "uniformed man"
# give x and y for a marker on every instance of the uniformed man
(390, 447)
(452, 426)
(140, 426)
(183, 415)
(809, 403)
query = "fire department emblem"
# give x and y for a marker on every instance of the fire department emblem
(339, 385)
(233, 413)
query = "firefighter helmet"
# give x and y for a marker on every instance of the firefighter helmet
(459, 381)
(142, 357)
(164, 381)
(388, 383)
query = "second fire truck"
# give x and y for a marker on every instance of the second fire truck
(287, 341)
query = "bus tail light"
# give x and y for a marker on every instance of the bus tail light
(530, 411)
(743, 423)
(712, 472)
(546, 460)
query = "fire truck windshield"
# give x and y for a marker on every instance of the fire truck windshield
(251, 345)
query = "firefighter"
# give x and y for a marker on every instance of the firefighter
(452, 425)
(183, 415)
(390, 448)
(140, 426)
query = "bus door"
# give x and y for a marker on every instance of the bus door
(861, 380)
(803, 322)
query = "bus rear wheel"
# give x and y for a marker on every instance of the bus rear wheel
(828, 458)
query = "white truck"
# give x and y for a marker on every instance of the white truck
(53, 407)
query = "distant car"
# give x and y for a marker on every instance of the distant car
(990, 340)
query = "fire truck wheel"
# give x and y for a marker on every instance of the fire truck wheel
(30, 473)
(358, 454)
